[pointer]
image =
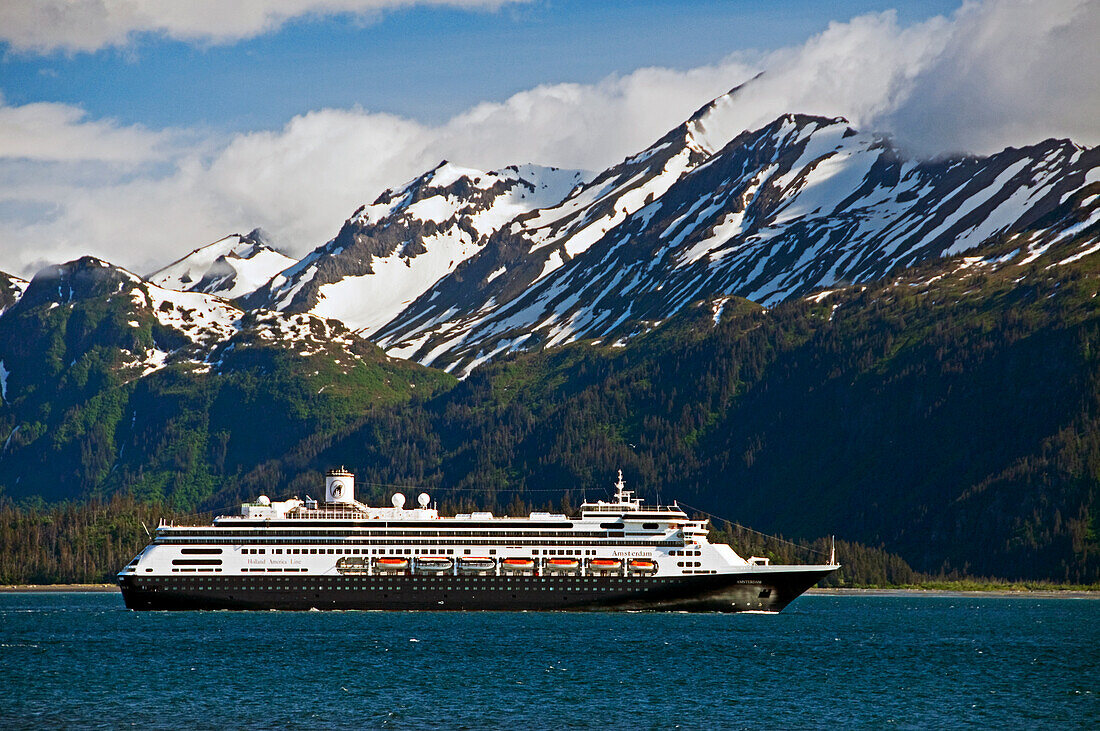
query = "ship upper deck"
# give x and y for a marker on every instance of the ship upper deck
(310, 517)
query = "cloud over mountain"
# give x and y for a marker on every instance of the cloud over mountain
(1006, 73)
(998, 73)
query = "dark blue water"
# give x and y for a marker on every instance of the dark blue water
(82, 660)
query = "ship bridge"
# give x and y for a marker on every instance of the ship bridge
(629, 509)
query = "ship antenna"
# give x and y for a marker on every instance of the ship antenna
(832, 550)
(146, 529)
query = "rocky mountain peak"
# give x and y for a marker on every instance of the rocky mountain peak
(230, 267)
(80, 279)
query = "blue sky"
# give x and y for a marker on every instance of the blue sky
(138, 131)
(428, 63)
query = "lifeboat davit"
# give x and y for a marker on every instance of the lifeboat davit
(642, 566)
(605, 565)
(434, 564)
(562, 565)
(517, 565)
(476, 564)
(391, 564)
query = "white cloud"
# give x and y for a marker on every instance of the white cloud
(1009, 73)
(992, 75)
(86, 25)
(300, 182)
(46, 131)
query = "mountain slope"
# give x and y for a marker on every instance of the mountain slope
(542, 241)
(803, 203)
(388, 253)
(231, 267)
(109, 382)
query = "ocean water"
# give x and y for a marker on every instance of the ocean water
(82, 660)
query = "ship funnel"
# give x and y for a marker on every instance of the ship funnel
(339, 486)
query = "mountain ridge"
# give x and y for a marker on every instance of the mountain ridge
(751, 238)
(460, 266)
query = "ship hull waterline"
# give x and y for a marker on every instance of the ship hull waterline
(755, 591)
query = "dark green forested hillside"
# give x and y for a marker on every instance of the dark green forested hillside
(951, 417)
(79, 420)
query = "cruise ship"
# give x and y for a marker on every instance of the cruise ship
(342, 554)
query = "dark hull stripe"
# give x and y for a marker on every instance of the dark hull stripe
(708, 593)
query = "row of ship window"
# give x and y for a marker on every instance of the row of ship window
(518, 533)
(385, 588)
(380, 551)
(513, 541)
(685, 553)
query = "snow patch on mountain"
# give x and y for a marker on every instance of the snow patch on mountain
(203, 318)
(4, 373)
(367, 302)
(230, 267)
(11, 289)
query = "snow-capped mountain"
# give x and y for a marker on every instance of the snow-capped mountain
(390, 252)
(803, 203)
(460, 265)
(231, 267)
(540, 242)
(154, 326)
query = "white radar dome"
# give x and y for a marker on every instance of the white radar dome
(263, 500)
(398, 500)
(423, 499)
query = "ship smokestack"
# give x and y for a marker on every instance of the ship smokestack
(339, 486)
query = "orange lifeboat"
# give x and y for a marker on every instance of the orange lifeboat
(517, 565)
(393, 563)
(562, 565)
(642, 566)
(605, 565)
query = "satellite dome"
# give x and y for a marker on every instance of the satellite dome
(398, 500)
(423, 499)
(263, 500)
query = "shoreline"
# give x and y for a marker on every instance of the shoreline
(1038, 593)
(816, 591)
